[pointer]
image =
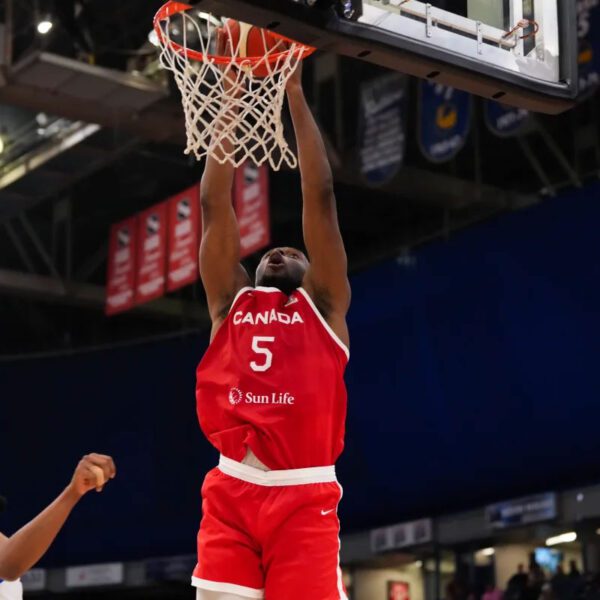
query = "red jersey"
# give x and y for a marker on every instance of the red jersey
(272, 381)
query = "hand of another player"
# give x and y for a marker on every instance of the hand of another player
(92, 472)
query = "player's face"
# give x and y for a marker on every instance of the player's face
(283, 268)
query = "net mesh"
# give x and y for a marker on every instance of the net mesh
(231, 113)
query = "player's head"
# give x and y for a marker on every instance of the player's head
(283, 268)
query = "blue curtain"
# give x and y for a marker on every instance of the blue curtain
(473, 378)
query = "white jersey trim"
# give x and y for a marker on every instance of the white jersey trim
(270, 290)
(229, 588)
(276, 478)
(325, 324)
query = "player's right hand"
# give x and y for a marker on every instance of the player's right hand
(92, 472)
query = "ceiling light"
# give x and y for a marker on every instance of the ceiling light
(598, 531)
(45, 26)
(563, 538)
(488, 552)
(418, 564)
(1, 145)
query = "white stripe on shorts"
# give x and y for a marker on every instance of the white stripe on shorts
(228, 588)
(276, 478)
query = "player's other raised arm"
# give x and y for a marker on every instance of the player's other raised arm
(220, 269)
(326, 279)
(222, 274)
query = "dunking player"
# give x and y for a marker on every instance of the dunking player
(271, 395)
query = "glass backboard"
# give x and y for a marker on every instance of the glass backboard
(521, 52)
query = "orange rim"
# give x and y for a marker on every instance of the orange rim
(173, 8)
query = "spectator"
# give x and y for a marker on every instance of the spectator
(492, 593)
(517, 584)
(547, 593)
(560, 584)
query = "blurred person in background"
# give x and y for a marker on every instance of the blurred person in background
(22, 550)
(560, 584)
(517, 584)
(492, 592)
(547, 592)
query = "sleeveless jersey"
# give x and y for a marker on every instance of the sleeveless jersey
(272, 381)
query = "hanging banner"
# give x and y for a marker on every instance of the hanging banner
(251, 204)
(503, 120)
(151, 253)
(381, 127)
(444, 120)
(184, 235)
(588, 32)
(120, 283)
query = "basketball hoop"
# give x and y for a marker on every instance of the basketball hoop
(232, 101)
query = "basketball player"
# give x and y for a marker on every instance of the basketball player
(23, 549)
(271, 395)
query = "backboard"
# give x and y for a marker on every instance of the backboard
(520, 52)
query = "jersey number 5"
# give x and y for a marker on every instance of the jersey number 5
(257, 340)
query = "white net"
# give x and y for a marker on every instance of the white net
(231, 113)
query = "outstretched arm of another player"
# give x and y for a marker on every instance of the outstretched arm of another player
(22, 550)
(220, 269)
(326, 279)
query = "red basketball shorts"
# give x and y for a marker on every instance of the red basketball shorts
(272, 535)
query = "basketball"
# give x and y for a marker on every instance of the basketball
(252, 42)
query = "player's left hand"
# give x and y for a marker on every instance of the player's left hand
(92, 472)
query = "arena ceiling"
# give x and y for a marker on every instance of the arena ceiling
(97, 165)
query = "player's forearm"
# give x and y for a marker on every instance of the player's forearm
(218, 172)
(23, 549)
(315, 170)
(217, 180)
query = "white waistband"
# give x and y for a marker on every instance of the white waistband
(276, 478)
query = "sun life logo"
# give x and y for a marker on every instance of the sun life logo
(235, 396)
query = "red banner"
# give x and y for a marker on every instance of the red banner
(398, 590)
(184, 236)
(251, 203)
(120, 281)
(151, 253)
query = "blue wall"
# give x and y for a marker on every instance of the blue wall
(473, 377)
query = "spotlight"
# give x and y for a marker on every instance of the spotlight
(44, 26)
(488, 552)
(1, 152)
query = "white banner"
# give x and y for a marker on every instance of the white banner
(402, 535)
(34, 580)
(93, 575)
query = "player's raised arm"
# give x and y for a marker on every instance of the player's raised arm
(22, 550)
(326, 279)
(220, 269)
